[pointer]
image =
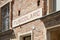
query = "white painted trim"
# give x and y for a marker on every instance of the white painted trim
(5, 3)
(52, 27)
(22, 34)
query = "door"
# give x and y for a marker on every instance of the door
(53, 34)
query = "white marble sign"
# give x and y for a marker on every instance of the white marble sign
(28, 17)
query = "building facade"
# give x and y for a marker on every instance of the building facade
(29, 20)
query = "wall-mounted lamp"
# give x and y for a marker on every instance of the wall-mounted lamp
(34, 28)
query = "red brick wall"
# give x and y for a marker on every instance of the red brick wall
(25, 7)
(39, 32)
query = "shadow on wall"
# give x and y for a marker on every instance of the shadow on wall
(52, 19)
(8, 35)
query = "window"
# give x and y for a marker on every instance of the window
(57, 5)
(27, 38)
(5, 17)
(53, 34)
(54, 5)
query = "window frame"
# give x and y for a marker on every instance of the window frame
(25, 34)
(26, 37)
(5, 17)
(49, 29)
